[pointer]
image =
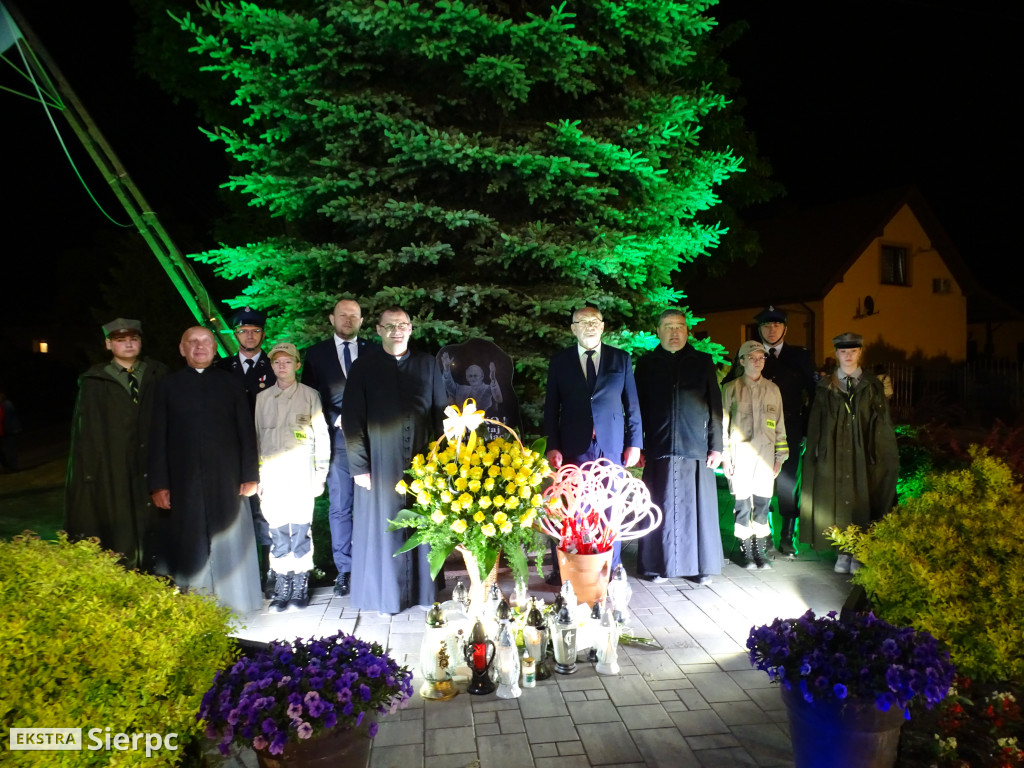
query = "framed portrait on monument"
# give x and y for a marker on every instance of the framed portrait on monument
(480, 369)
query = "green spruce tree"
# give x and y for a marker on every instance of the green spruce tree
(489, 166)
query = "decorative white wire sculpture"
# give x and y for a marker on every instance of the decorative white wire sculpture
(598, 501)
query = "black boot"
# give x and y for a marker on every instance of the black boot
(343, 584)
(745, 559)
(300, 591)
(282, 592)
(761, 558)
(786, 545)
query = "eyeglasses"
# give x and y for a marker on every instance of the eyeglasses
(249, 330)
(756, 358)
(396, 327)
(588, 324)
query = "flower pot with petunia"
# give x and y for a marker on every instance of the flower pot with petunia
(847, 684)
(306, 702)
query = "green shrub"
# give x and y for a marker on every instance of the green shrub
(85, 643)
(952, 562)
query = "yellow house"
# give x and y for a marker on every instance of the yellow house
(880, 266)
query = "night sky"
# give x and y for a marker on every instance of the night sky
(844, 98)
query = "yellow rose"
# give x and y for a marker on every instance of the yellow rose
(536, 500)
(423, 498)
(512, 502)
(493, 471)
(525, 493)
(438, 516)
(487, 530)
(466, 500)
(484, 502)
(474, 486)
(489, 484)
(479, 517)
(416, 486)
(500, 518)
(459, 526)
(499, 501)
(451, 469)
(510, 489)
(401, 487)
(506, 528)
(507, 474)
(461, 483)
(527, 519)
(505, 460)
(456, 507)
(476, 473)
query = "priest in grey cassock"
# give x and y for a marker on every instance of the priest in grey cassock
(394, 406)
(681, 411)
(202, 464)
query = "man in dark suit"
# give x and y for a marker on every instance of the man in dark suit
(590, 408)
(252, 369)
(792, 370)
(326, 370)
(250, 365)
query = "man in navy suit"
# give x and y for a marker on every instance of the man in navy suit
(792, 370)
(326, 370)
(591, 409)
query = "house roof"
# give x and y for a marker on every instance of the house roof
(805, 254)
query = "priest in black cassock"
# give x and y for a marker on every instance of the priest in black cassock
(394, 405)
(203, 462)
(681, 409)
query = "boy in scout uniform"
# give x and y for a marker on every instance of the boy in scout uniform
(295, 454)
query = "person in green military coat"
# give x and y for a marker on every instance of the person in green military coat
(107, 495)
(851, 463)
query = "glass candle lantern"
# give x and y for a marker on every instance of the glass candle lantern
(480, 657)
(608, 646)
(535, 637)
(564, 640)
(436, 662)
(461, 595)
(619, 593)
(507, 661)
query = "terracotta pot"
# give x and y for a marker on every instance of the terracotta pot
(349, 747)
(842, 734)
(477, 588)
(588, 574)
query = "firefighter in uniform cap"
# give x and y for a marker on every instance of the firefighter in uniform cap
(791, 369)
(254, 371)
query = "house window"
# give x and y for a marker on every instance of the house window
(941, 285)
(894, 265)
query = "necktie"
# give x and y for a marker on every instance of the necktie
(591, 371)
(773, 352)
(133, 385)
(346, 355)
(849, 383)
(248, 365)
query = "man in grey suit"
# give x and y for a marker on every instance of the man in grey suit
(326, 370)
(591, 409)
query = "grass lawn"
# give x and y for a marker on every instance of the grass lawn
(33, 499)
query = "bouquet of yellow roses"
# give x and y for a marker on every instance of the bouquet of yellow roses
(482, 495)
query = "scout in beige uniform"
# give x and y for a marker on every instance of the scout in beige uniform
(754, 436)
(295, 453)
